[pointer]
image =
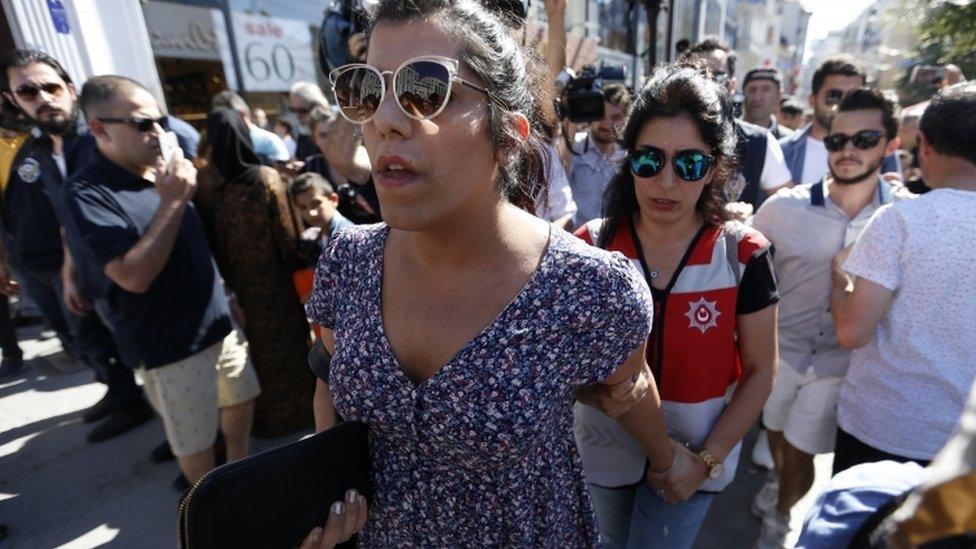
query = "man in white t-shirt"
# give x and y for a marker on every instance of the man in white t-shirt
(808, 225)
(804, 151)
(910, 312)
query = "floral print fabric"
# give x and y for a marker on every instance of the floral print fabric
(482, 453)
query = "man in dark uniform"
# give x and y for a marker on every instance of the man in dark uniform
(63, 285)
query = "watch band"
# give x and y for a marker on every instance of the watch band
(708, 459)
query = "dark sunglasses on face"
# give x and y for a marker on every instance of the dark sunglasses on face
(689, 164)
(833, 97)
(421, 86)
(301, 111)
(142, 124)
(28, 92)
(864, 140)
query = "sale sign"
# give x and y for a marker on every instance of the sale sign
(274, 53)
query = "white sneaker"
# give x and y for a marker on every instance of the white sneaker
(774, 531)
(761, 456)
(766, 497)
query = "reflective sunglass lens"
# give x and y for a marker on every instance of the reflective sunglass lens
(358, 92)
(421, 88)
(835, 142)
(646, 163)
(691, 165)
(866, 139)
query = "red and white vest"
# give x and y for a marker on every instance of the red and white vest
(699, 358)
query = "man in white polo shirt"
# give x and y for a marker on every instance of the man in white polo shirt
(808, 225)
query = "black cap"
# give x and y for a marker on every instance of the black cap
(763, 74)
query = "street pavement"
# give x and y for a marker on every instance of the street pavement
(57, 490)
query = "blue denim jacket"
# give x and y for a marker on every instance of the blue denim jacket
(795, 151)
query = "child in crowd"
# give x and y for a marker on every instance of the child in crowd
(316, 201)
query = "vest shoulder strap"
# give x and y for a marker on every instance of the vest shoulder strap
(732, 254)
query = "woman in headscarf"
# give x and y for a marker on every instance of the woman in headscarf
(254, 234)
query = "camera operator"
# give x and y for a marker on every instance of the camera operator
(342, 38)
(595, 156)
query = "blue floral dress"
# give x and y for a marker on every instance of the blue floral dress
(482, 453)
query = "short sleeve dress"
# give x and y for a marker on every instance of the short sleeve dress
(482, 453)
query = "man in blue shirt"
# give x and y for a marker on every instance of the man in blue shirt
(166, 299)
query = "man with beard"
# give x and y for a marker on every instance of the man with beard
(596, 155)
(808, 225)
(804, 151)
(36, 85)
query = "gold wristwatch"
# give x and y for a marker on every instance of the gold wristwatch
(714, 466)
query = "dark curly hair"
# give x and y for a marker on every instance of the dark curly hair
(673, 90)
(508, 70)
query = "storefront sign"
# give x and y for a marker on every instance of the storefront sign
(184, 32)
(59, 17)
(274, 53)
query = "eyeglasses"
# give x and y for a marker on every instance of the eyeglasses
(864, 140)
(422, 87)
(29, 92)
(142, 124)
(689, 164)
(301, 111)
(833, 97)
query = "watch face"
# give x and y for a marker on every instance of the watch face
(716, 471)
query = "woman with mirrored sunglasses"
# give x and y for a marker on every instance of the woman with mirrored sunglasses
(462, 328)
(713, 345)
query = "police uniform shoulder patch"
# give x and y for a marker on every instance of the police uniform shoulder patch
(29, 170)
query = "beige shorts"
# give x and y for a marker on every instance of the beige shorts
(804, 408)
(187, 394)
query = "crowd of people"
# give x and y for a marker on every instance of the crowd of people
(557, 334)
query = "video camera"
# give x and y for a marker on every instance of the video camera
(582, 98)
(343, 19)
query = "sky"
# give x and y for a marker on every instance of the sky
(831, 15)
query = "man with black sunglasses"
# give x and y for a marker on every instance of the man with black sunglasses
(132, 212)
(808, 225)
(37, 86)
(804, 151)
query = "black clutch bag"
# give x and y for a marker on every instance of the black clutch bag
(275, 498)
